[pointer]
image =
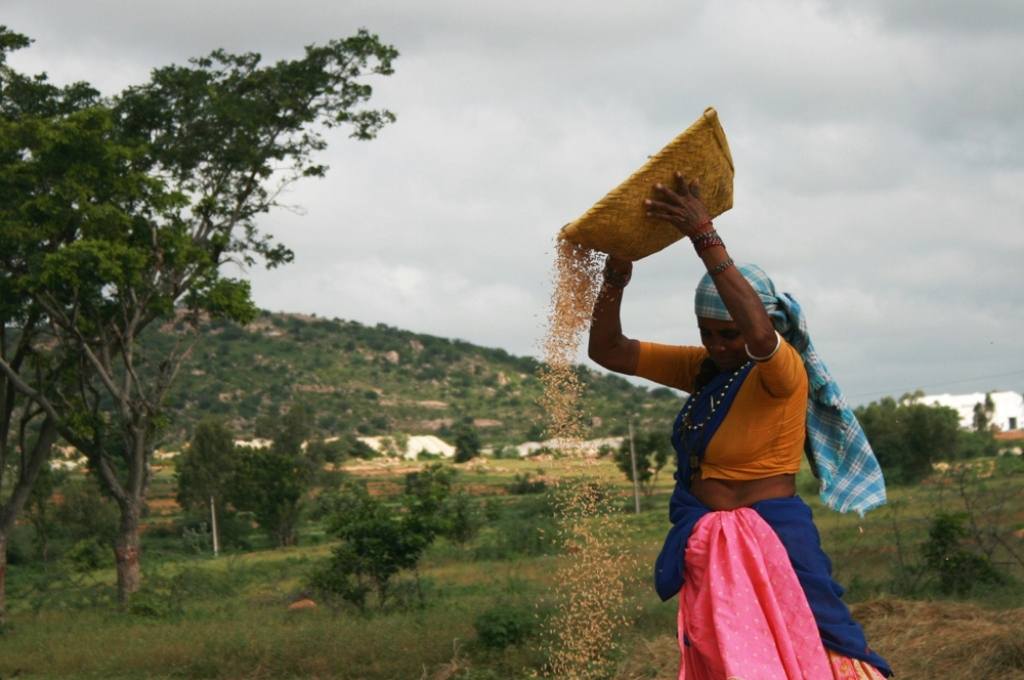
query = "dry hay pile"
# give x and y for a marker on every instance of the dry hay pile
(922, 640)
(945, 639)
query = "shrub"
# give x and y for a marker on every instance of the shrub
(525, 483)
(908, 436)
(514, 537)
(946, 555)
(88, 554)
(505, 625)
(1009, 464)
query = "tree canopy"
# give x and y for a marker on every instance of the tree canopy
(124, 210)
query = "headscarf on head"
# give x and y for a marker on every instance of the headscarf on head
(851, 478)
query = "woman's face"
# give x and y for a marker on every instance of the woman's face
(724, 343)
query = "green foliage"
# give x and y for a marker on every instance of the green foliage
(525, 483)
(460, 518)
(467, 440)
(88, 554)
(908, 437)
(272, 482)
(947, 556)
(85, 513)
(505, 625)
(433, 509)
(982, 419)
(1009, 464)
(116, 213)
(975, 444)
(376, 544)
(653, 451)
(204, 469)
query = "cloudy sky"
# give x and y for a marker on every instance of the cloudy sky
(879, 150)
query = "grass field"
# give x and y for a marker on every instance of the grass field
(200, 617)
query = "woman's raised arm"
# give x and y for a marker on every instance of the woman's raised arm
(608, 346)
(684, 210)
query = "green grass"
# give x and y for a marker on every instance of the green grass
(200, 617)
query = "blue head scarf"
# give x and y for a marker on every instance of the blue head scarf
(851, 478)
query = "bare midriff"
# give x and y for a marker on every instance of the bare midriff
(729, 494)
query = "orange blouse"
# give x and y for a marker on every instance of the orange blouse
(763, 433)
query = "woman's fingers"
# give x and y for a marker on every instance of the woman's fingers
(695, 188)
(668, 195)
(653, 207)
(681, 186)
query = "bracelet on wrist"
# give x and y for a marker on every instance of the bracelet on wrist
(707, 240)
(766, 357)
(721, 266)
(703, 230)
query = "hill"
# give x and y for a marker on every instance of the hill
(372, 380)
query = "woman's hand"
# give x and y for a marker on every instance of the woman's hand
(681, 208)
(618, 266)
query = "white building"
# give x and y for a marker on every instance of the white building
(414, 446)
(1007, 415)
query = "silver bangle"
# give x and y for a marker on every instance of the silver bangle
(778, 344)
(721, 267)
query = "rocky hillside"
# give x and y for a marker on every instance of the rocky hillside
(372, 380)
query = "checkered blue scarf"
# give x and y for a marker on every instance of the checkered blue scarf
(851, 478)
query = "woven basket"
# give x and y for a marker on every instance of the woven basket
(617, 224)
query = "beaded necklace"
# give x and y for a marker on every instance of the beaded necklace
(716, 401)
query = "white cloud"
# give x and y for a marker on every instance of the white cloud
(879, 150)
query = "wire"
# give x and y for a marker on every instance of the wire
(940, 384)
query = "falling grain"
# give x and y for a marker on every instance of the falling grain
(576, 281)
(582, 635)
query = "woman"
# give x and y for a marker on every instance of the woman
(757, 599)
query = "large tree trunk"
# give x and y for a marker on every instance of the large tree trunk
(127, 553)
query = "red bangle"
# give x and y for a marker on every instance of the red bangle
(705, 244)
(705, 240)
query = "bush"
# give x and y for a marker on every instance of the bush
(1009, 464)
(506, 453)
(525, 483)
(908, 436)
(505, 625)
(516, 537)
(88, 554)
(958, 569)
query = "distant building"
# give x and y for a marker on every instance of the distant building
(414, 446)
(1007, 415)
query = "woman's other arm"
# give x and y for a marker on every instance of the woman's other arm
(608, 346)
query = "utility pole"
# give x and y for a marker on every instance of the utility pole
(213, 523)
(632, 458)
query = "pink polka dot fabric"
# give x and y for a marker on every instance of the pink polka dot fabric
(742, 612)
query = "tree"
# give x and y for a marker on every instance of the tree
(50, 140)
(983, 412)
(185, 165)
(205, 469)
(908, 436)
(376, 544)
(653, 451)
(467, 440)
(272, 482)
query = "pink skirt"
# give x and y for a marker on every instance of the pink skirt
(742, 612)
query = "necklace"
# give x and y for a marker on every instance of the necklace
(716, 400)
